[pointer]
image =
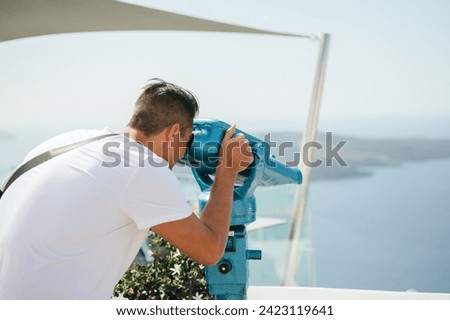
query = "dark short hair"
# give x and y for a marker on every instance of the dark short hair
(162, 104)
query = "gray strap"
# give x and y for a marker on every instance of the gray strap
(47, 156)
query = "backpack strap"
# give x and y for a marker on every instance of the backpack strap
(47, 156)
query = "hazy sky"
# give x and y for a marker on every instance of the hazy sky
(388, 59)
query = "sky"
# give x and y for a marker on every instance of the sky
(388, 70)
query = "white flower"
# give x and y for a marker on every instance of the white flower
(177, 253)
(197, 296)
(176, 269)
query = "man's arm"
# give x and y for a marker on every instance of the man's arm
(204, 239)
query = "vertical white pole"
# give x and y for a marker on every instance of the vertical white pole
(301, 196)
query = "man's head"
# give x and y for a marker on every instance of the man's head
(163, 115)
(162, 104)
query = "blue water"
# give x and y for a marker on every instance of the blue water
(389, 231)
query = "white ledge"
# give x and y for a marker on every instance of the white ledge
(309, 293)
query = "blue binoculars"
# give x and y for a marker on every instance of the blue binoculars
(203, 156)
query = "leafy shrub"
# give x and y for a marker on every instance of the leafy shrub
(171, 276)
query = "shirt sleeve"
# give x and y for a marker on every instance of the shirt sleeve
(153, 196)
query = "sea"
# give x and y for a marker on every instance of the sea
(387, 231)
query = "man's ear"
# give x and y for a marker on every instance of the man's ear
(174, 130)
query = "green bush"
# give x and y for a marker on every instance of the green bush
(171, 276)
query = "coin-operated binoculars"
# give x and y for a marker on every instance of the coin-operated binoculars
(228, 279)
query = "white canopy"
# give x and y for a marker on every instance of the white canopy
(25, 18)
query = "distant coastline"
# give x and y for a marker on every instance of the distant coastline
(360, 155)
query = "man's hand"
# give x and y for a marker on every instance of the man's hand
(235, 154)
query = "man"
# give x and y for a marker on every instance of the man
(70, 227)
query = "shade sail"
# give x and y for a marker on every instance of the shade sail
(28, 18)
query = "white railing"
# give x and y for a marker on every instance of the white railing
(309, 293)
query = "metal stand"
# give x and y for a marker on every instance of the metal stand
(228, 279)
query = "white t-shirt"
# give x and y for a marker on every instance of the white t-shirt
(70, 227)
